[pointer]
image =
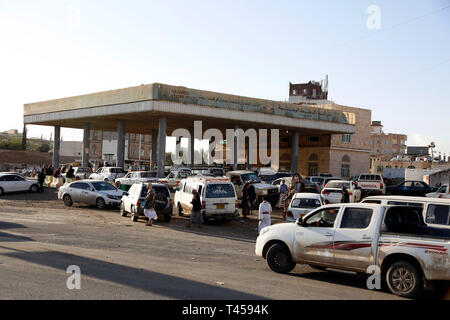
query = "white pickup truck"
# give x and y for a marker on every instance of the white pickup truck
(370, 184)
(392, 240)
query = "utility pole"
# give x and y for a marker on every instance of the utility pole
(24, 137)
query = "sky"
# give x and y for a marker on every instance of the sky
(394, 60)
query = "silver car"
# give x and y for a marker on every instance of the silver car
(100, 193)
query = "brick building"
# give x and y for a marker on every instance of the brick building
(386, 145)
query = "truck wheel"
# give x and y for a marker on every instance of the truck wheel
(123, 212)
(279, 259)
(180, 210)
(404, 279)
(67, 200)
(100, 203)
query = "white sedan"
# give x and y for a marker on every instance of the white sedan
(133, 177)
(301, 204)
(10, 182)
(333, 191)
(443, 192)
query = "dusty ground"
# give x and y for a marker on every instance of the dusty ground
(119, 259)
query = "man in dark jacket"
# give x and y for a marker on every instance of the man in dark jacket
(70, 173)
(41, 179)
(345, 195)
(246, 200)
(196, 215)
(252, 197)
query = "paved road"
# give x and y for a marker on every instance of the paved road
(120, 259)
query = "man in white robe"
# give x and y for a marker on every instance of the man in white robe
(265, 209)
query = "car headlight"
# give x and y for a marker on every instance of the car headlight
(262, 192)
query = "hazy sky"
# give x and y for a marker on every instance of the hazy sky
(53, 49)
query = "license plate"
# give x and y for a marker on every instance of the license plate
(220, 206)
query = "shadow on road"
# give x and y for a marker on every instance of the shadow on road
(150, 281)
(48, 194)
(10, 225)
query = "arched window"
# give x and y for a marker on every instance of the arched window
(313, 165)
(345, 166)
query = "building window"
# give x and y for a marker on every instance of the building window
(386, 142)
(347, 138)
(386, 151)
(345, 170)
(294, 91)
(94, 150)
(371, 142)
(305, 91)
(313, 168)
(95, 134)
(133, 152)
(314, 139)
(345, 167)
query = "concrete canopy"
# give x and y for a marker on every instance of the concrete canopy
(141, 107)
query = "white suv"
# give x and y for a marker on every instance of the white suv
(108, 174)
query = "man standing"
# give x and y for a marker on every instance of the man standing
(196, 215)
(283, 194)
(245, 201)
(252, 196)
(41, 179)
(345, 195)
(265, 209)
(149, 208)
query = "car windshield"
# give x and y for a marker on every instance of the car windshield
(117, 170)
(147, 175)
(338, 184)
(224, 190)
(250, 177)
(83, 170)
(158, 190)
(103, 186)
(305, 203)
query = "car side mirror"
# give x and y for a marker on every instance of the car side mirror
(125, 193)
(299, 221)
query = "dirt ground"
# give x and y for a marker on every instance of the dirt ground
(120, 259)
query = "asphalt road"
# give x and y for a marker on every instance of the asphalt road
(119, 259)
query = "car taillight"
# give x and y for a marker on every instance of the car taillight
(203, 204)
(325, 192)
(356, 183)
(289, 214)
(171, 202)
(236, 204)
(139, 203)
(381, 186)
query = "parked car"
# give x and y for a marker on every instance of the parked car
(13, 182)
(371, 184)
(270, 176)
(218, 197)
(100, 193)
(326, 180)
(410, 188)
(108, 174)
(208, 171)
(316, 179)
(301, 204)
(268, 191)
(442, 192)
(134, 201)
(309, 186)
(135, 176)
(80, 173)
(436, 212)
(355, 237)
(333, 191)
(173, 178)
